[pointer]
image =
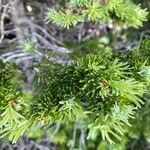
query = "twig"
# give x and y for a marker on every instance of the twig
(82, 138)
(50, 46)
(2, 22)
(74, 137)
(10, 31)
(0, 5)
(55, 131)
(47, 34)
(81, 27)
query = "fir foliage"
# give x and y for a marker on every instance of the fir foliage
(13, 107)
(102, 93)
(77, 11)
(106, 91)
